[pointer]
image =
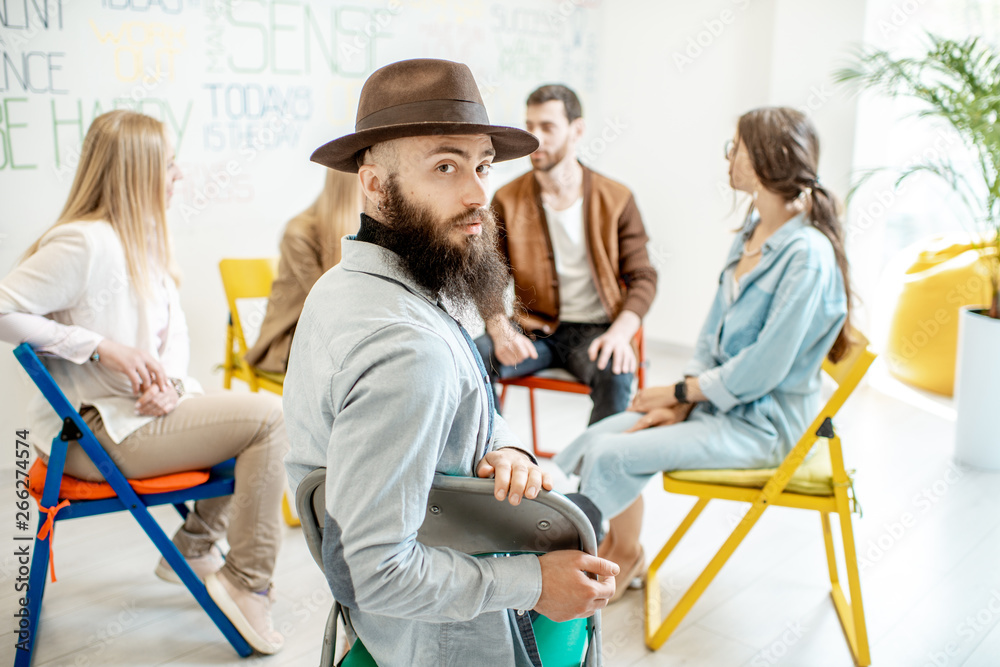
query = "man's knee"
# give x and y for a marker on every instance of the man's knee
(608, 380)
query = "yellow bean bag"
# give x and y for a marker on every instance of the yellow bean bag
(947, 273)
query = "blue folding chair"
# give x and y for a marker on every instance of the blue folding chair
(220, 483)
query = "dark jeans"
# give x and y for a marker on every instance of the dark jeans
(567, 348)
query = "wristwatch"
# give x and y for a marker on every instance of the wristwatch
(680, 392)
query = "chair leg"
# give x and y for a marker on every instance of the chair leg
(831, 554)
(27, 634)
(656, 636)
(653, 612)
(227, 376)
(329, 650)
(286, 511)
(851, 614)
(182, 509)
(534, 428)
(189, 578)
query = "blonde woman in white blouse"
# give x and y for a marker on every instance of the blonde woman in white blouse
(98, 291)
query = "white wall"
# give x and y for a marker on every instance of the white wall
(255, 85)
(662, 83)
(686, 73)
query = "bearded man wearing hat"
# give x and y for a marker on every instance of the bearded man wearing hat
(385, 388)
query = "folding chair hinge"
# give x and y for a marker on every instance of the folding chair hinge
(825, 429)
(70, 431)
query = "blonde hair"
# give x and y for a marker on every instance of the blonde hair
(336, 212)
(121, 178)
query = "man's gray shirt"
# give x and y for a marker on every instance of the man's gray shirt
(383, 390)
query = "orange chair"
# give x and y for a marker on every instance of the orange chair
(557, 379)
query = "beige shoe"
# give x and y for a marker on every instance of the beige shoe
(250, 612)
(202, 566)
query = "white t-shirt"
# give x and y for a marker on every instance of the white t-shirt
(578, 297)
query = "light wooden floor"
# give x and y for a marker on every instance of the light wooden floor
(931, 586)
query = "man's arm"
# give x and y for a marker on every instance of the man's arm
(389, 431)
(634, 267)
(510, 346)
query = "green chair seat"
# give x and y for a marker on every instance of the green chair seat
(559, 645)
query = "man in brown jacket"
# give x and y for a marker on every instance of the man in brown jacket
(576, 246)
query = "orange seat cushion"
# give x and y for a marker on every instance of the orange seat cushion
(73, 488)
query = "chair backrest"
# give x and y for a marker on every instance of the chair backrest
(246, 279)
(847, 373)
(40, 375)
(463, 514)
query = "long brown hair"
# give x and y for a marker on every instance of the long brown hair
(121, 178)
(784, 151)
(336, 213)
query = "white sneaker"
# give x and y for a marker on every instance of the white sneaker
(249, 612)
(202, 566)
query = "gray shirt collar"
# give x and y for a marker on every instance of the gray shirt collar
(378, 261)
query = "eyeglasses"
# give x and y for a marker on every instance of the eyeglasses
(728, 147)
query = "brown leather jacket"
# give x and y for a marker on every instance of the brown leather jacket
(616, 248)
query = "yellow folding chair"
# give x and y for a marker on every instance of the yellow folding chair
(249, 279)
(820, 484)
(246, 279)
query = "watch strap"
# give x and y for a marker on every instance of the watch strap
(680, 392)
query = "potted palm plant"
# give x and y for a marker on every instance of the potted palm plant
(958, 82)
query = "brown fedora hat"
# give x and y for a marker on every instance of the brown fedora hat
(416, 98)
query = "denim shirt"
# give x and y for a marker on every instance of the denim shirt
(383, 390)
(759, 353)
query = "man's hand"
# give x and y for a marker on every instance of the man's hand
(141, 368)
(515, 475)
(567, 590)
(510, 346)
(155, 402)
(661, 417)
(615, 345)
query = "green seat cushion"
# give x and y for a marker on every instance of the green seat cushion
(559, 645)
(813, 478)
(358, 656)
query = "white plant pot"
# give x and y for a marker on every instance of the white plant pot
(977, 390)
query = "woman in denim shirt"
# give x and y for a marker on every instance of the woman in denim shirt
(753, 384)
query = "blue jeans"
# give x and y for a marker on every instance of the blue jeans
(567, 348)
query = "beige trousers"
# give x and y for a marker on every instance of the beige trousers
(199, 433)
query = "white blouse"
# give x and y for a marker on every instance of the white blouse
(67, 297)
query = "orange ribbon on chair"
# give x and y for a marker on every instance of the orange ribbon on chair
(48, 529)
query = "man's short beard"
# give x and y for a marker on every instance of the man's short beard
(470, 277)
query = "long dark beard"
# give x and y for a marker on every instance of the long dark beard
(470, 277)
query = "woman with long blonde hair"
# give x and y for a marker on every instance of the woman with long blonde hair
(98, 291)
(309, 248)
